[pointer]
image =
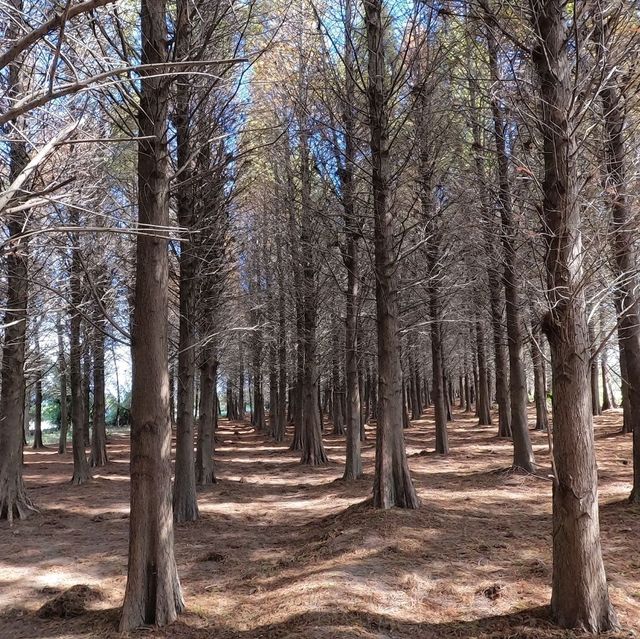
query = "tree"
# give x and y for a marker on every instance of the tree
(153, 593)
(14, 501)
(579, 597)
(392, 483)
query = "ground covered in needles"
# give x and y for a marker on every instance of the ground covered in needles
(284, 551)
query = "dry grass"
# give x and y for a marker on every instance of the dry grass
(285, 551)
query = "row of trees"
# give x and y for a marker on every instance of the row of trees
(355, 210)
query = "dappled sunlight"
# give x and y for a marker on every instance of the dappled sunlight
(284, 546)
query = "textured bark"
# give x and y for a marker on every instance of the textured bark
(483, 405)
(594, 373)
(62, 371)
(153, 594)
(495, 271)
(204, 466)
(392, 482)
(86, 387)
(312, 447)
(81, 469)
(623, 226)
(523, 456)
(539, 382)
(37, 435)
(579, 597)
(185, 503)
(280, 426)
(99, 431)
(14, 501)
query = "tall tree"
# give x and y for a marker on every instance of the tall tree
(579, 597)
(392, 483)
(153, 593)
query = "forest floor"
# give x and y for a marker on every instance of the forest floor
(284, 551)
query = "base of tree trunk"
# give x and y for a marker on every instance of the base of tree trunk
(351, 474)
(99, 459)
(207, 478)
(185, 510)
(14, 501)
(81, 476)
(314, 458)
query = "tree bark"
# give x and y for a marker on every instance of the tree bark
(153, 594)
(579, 597)
(623, 226)
(483, 403)
(185, 503)
(81, 469)
(14, 501)
(392, 482)
(62, 370)
(204, 466)
(523, 456)
(99, 432)
(539, 389)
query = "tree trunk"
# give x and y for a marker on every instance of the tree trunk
(62, 370)
(483, 405)
(204, 466)
(37, 434)
(153, 594)
(523, 456)
(623, 223)
(594, 373)
(392, 482)
(14, 501)
(185, 503)
(579, 597)
(81, 469)
(312, 447)
(539, 390)
(99, 432)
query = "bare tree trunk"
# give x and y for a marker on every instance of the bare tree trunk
(312, 447)
(483, 404)
(579, 597)
(99, 432)
(623, 223)
(37, 433)
(81, 469)
(539, 390)
(153, 594)
(392, 483)
(204, 466)
(523, 456)
(14, 501)
(62, 369)
(185, 503)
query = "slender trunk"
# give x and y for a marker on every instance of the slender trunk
(392, 483)
(579, 596)
(14, 501)
(153, 594)
(483, 405)
(204, 466)
(81, 469)
(99, 432)
(185, 503)
(312, 447)
(523, 456)
(495, 272)
(539, 390)
(62, 370)
(37, 434)
(623, 226)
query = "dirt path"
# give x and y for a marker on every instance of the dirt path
(285, 551)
